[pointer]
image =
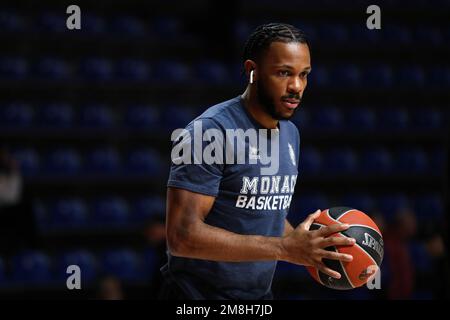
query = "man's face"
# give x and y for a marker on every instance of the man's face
(282, 78)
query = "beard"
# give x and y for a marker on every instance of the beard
(268, 103)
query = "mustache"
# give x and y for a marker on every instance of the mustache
(293, 96)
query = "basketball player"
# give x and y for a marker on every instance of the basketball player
(226, 223)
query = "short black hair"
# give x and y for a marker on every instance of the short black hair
(265, 34)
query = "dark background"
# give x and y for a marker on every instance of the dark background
(86, 117)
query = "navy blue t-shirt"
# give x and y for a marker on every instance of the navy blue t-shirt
(248, 202)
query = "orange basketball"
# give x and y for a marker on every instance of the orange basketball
(367, 252)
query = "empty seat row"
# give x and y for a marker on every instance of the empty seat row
(108, 160)
(135, 116)
(345, 75)
(123, 70)
(373, 160)
(368, 118)
(93, 115)
(413, 5)
(163, 26)
(92, 24)
(40, 268)
(426, 207)
(353, 34)
(103, 160)
(113, 211)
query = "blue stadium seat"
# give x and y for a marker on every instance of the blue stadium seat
(427, 118)
(41, 214)
(376, 160)
(2, 273)
(167, 26)
(393, 119)
(379, 76)
(360, 201)
(97, 116)
(438, 77)
(212, 72)
(237, 74)
(93, 24)
(333, 34)
(410, 76)
(446, 32)
(151, 263)
(28, 159)
(302, 118)
(31, 268)
(103, 160)
(390, 204)
(122, 263)
(420, 256)
(10, 21)
(437, 160)
(97, 69)
(57, 115)
(52, 22)
(17, 115)
(360, 118)
(82, 258)
(111, 211)
(144, 161)
(133, 69)
(145, 209)
(320, 77)
(411, 160)
(340, 161)
(304, 205)
(142, 116)
(13, 68)
(176, 117)
(431, 36)
(326, 118)
(172, 71)
(429, 207)
(310, 30)
(63, 161)
(53, 69)
(128, 26)
(344, 76)
(364, 35)
(69, 213)
(310, 161)
(241, 30)
(397, 35)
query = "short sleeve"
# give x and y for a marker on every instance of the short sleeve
(191, 168)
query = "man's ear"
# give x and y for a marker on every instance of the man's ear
(250, 67)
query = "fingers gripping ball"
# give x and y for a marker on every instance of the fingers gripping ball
(367, 252)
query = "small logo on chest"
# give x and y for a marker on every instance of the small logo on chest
(292, 154)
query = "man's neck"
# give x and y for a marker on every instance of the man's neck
(256, 110)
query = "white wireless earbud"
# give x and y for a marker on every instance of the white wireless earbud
(251, 76)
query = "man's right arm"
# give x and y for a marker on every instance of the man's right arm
(189, 236)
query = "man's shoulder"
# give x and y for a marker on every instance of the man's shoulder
(223, 112)
(291, 127)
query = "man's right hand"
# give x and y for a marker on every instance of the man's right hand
(307, 248)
